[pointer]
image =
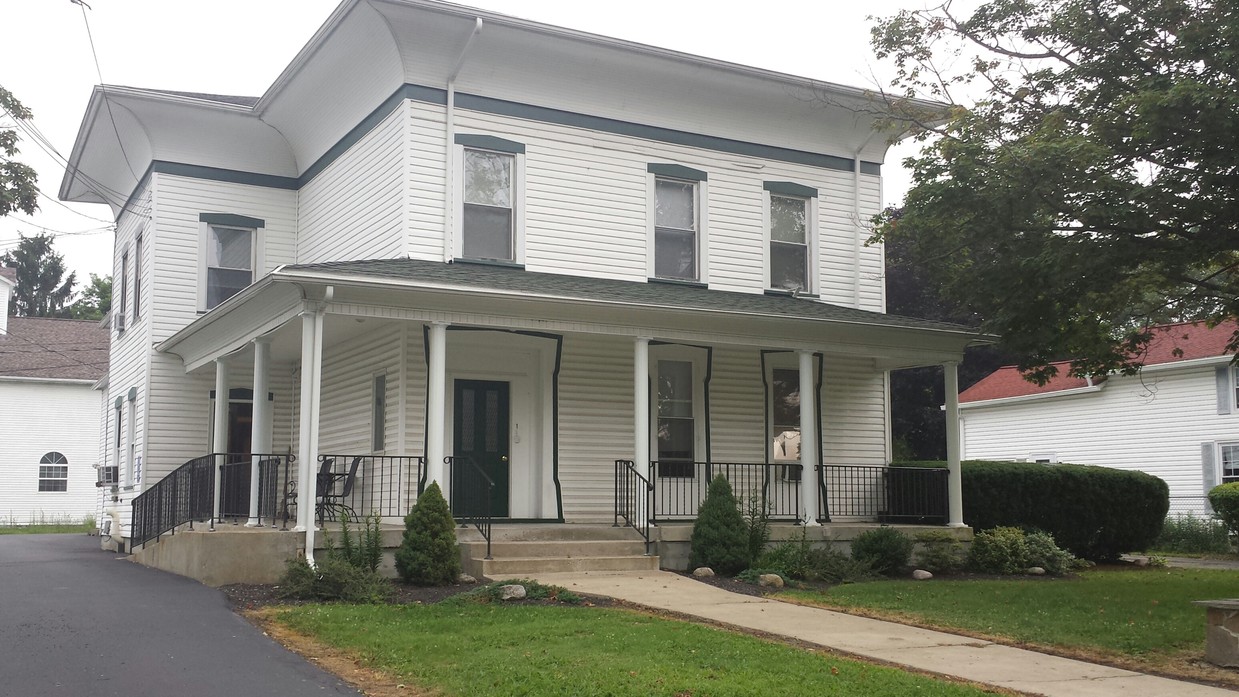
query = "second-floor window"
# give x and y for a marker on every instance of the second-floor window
(230, 263)
(124, 287)
(790, 234)
(677, 219)
(490, 193)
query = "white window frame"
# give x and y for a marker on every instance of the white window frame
(1220, 448)
(118, 408)
(812, 212)
(498, 146)
(48, 461)
(122, 308)
(207, 223)
(137, 275)
(378, 412)
(701, 197)
(132, 476)
(1234, 391)
(697, 358)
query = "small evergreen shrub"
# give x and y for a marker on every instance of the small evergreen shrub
(366, 552)
(1225, 501)
(998, 551)
(720, 537)
(1042, 551)
(940, 552)
(332, 578)
(1187, 533)
(757, 523)
(428, 553)
(1097, 513)
(886, 549)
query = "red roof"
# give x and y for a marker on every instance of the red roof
(1171, 343)
(9, 274)
(40, 347)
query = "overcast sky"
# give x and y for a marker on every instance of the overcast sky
(240, 46)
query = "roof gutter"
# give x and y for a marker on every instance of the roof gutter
(1001, 401)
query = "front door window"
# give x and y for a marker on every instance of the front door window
(481, 418)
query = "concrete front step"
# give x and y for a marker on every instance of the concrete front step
(502, 549)
(517, 566)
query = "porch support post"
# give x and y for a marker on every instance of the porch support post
(306, 468)
(219, 436)
(955, 488)
(436, 404)
(808, 439)
(260, 426)
(641, 418)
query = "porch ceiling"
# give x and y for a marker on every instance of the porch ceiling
(510, 297)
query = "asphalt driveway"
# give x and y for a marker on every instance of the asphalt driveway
(77, 622)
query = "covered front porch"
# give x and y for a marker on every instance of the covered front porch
(551, 399)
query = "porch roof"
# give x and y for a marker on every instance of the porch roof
(514, 280)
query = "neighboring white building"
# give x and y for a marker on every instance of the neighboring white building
(1178, 419)
(444, 232)
(49, 415)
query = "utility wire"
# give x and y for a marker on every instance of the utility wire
(99, 71)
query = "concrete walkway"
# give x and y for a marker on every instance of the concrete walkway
(936, 652)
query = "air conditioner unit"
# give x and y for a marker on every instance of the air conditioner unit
(118, 321)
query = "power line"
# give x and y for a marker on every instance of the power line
(99, 71)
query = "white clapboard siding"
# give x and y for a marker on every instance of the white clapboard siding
(737, 406)
(595, 423)
(39, 418)
(179, 202)
(586, 198)
(425, 175)
(413, 391)
(853, 412)
(1154, 423)
(346, 406)
(354, 208)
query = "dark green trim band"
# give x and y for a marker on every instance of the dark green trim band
(790, 189)
(677, 171)
(470, 140)
(231, 219)
(870, 168)
(232, 176)
(133, 394)
(120, 402)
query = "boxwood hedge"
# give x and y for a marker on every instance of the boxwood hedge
(1096, 513)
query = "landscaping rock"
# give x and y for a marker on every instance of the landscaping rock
(466, 578)
(1036, 571)
(1141, 561)
(513, 591)
(922, 575)
(770, 580)
(703, 572)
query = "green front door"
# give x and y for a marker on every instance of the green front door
(481, 418)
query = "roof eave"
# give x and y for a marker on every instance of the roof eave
(1000, 401)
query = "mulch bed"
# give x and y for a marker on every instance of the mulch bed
(252, 596)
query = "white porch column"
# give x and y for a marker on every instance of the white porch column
(641, 420)
(436, 404)
(219, 435)
(955, 489)
(260, 427)
(808, 439)
(306, 468)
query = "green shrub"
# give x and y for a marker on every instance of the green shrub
(332, 578)
(1042, 551)
(533, 591)
(754, 575)
(940, 552)
(1187, 533)
(428, 553)
(792, 558)
(1097, 513)
(886, 549)
(366, 552)
(757, 524)
(1225, 501)
(998, 551)
(830, 565)
(720, 538)
(798, 559)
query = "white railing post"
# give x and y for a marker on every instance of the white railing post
(219, 435)
(641, 423)
(260, 426)
(955, 488)
(808, 439)
(436, 405)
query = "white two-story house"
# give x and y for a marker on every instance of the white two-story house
(450, 245)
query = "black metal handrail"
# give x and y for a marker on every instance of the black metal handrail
(680, 487)
(185, 495)
(634, 499)
(472, 490)
(910, 495)
(357, 486)
(236, 470)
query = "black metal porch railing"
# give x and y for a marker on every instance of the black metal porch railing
(357, 486)
(235, 473)
(185, 495)
(634, 499)
(680, 487)
(908, 495)
(471, 491)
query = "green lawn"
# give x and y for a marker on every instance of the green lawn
(45, 528)
(1143, 613)
(471, 649)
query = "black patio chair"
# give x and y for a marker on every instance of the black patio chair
(331, 505)
(322, 483)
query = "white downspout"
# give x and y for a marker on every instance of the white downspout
(449, 146)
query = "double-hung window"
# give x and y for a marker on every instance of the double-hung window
(123, 295)
(231, 250)
(137, 276)
(490, 215)
(785, 419)
(790, 211)
(53, 472)
(1230, 462)
(678, 222)
(677, 430)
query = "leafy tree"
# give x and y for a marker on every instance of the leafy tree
(17, 181)
(42, 289)
(1092, 188)
(96, 300)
